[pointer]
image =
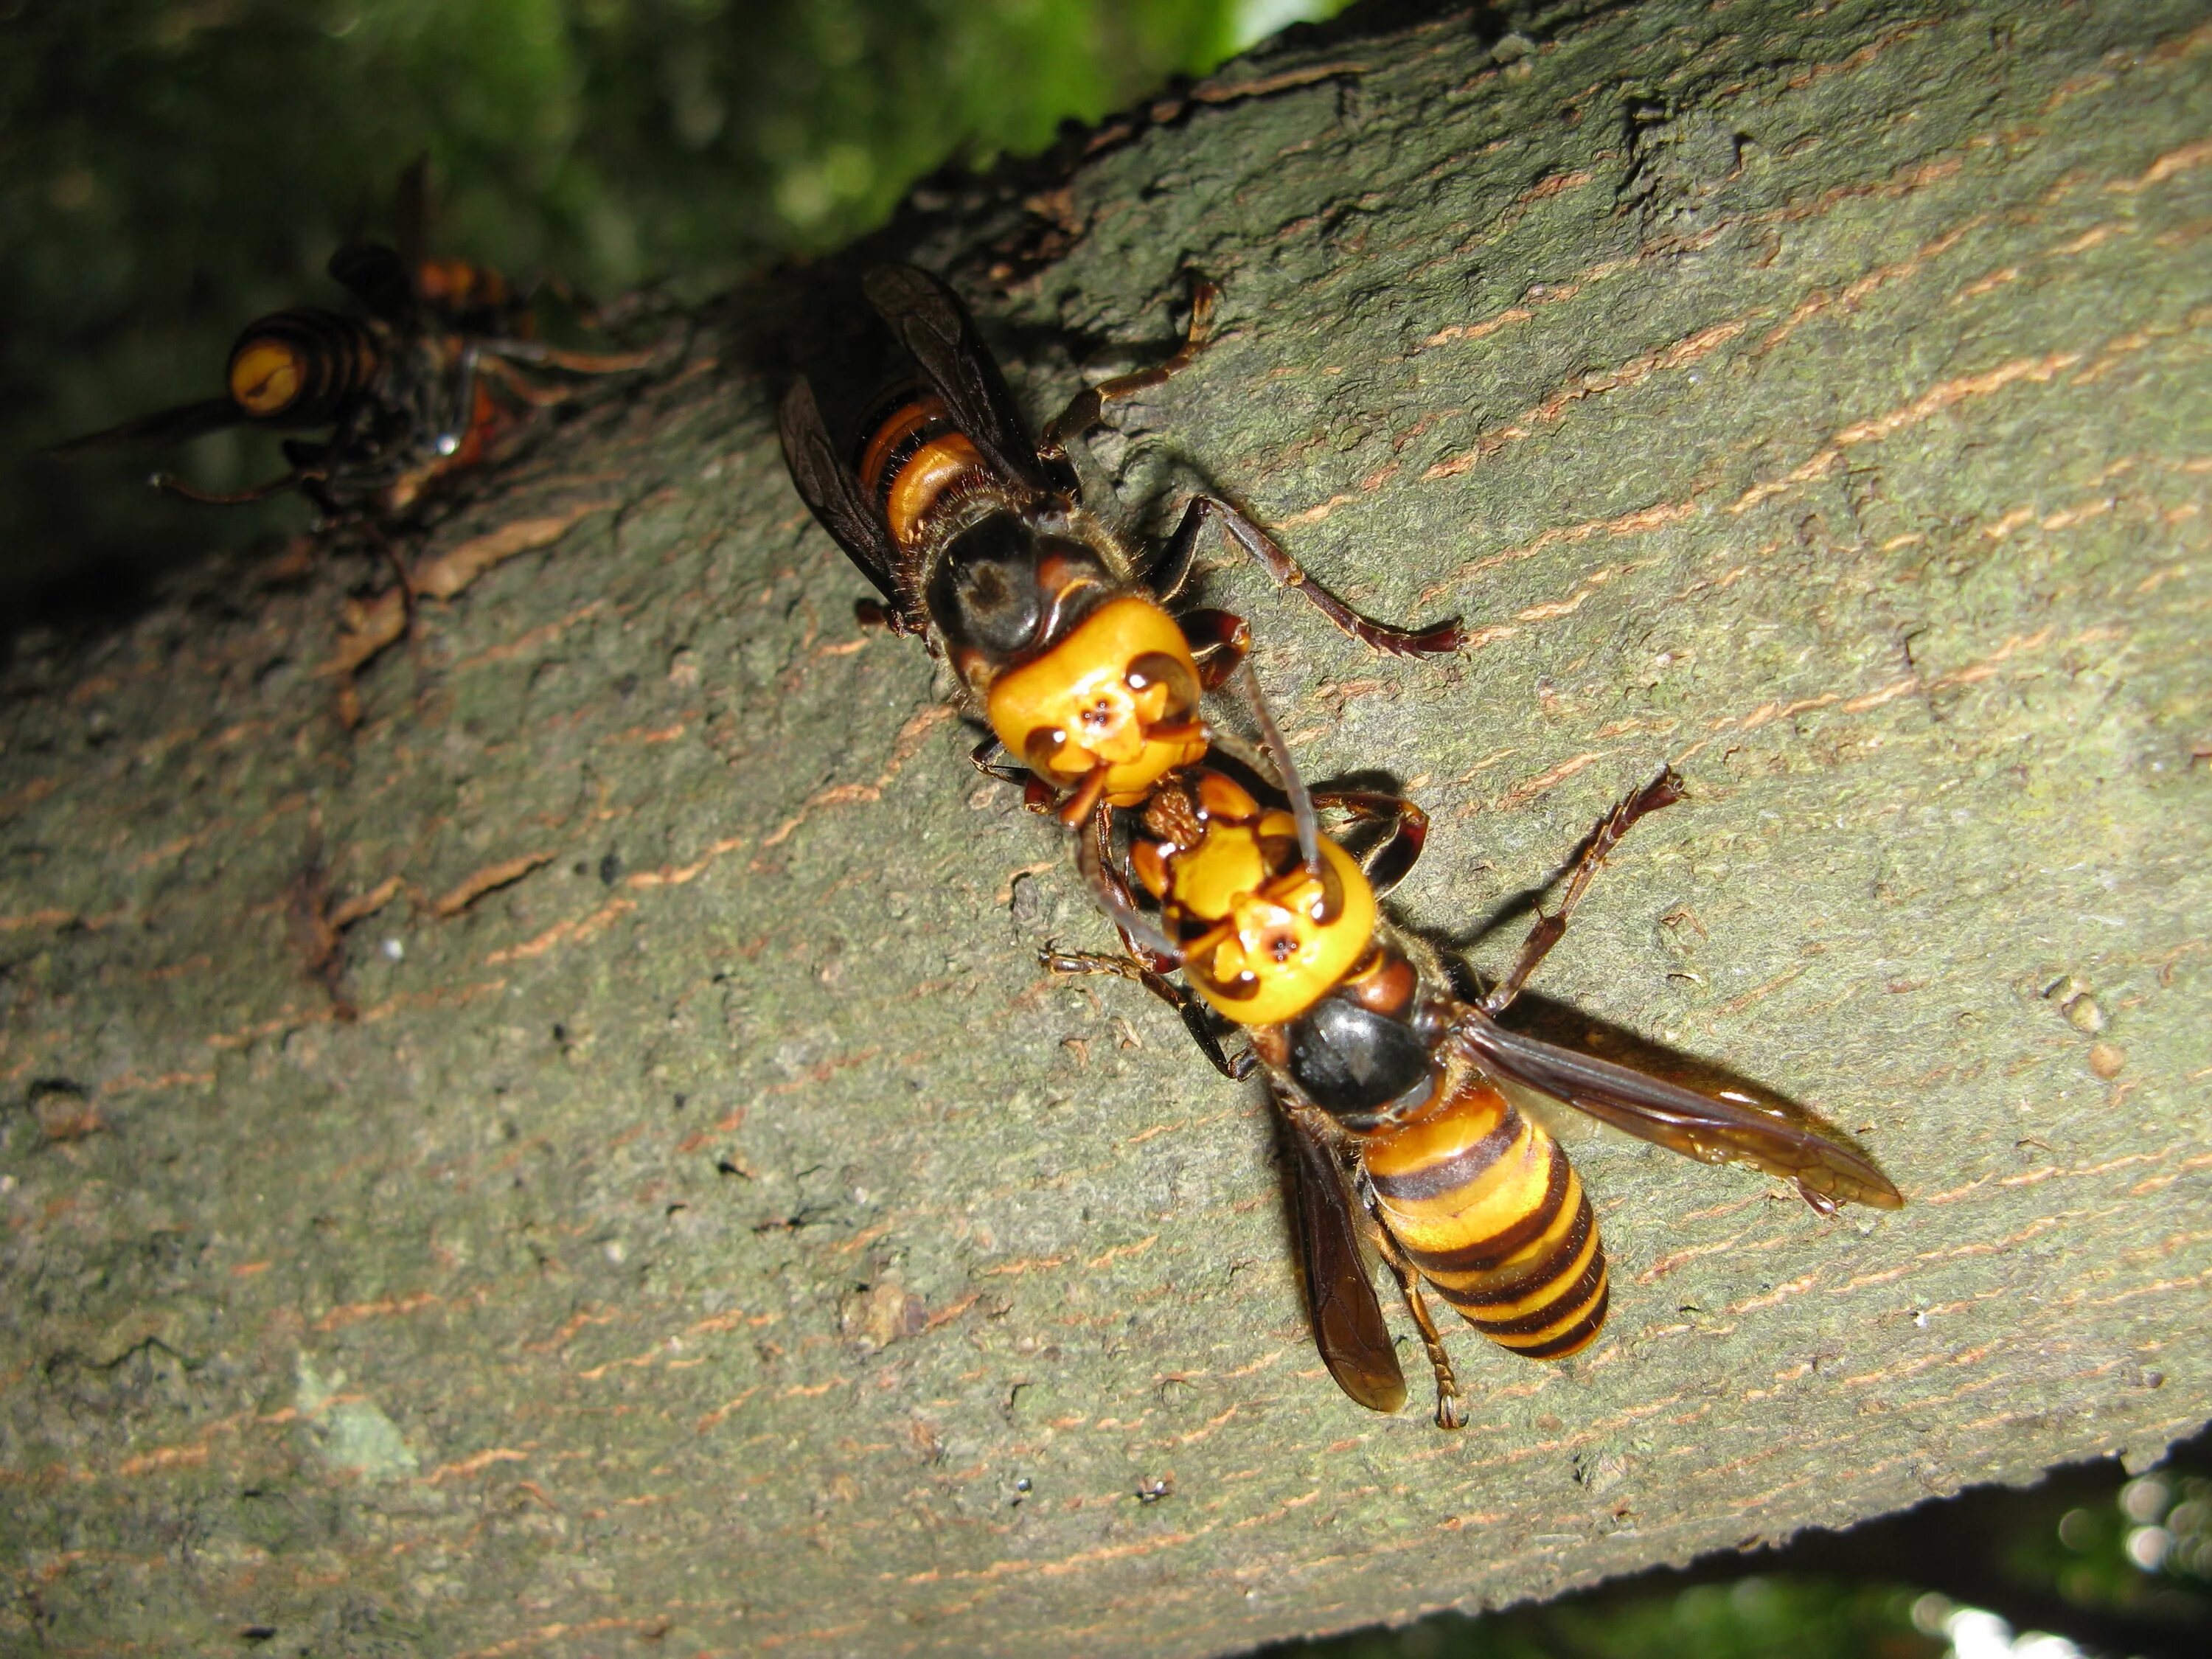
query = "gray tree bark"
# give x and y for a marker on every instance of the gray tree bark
(715, 1236)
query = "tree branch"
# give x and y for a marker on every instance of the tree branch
(720, 1230)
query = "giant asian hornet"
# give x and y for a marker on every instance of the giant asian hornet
(1059, 633)
(977, 539)
(1388, 1081)
(423, 383)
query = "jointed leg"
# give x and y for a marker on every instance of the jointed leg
(1391, 859)
(1150, 957)
(1089, 406)
(1094, 862)
(169, 484)
(1663, 791)
(1218, 642)
(572, 362)
(1440, 641)
(1186, 1002)
(1005, 771)
(1451, 1410)
(1218, 639)
(1167, 569)
(873, 613)
(403, 576)
(536, 394)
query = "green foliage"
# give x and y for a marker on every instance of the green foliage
(171, 168)
(2151, 1542)
(1758, 1617)
(2088, 1551)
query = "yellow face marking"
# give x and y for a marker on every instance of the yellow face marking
(1275, 950)
(1228, 865)
(266, 375)
(1088, 703)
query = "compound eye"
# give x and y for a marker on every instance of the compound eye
(1281, 853)
(1158, 668)
(1043, 748)
(267, 374)
(1329, 905)
(1242, 988)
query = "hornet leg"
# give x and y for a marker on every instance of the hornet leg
(1441, 641)
(1451, 1410)
(1150, 955)
(1089, 406)
(1187, 1005)
(1391, 859)
(1663, 791)
(170, 484)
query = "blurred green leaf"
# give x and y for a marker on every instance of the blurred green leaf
(170, 169)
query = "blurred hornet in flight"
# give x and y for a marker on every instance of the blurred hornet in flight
(1060, 634)
(421, 383)
(1388, 1081)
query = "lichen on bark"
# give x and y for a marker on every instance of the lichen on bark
(714, 1228)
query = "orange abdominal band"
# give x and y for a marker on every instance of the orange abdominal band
(930, 455)
(1280, 943)
(266, 375)
(455, 284)
(1119, 692)
(1486, 1204)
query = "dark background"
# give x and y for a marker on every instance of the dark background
(171, 168)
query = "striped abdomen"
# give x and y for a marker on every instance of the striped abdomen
(303, 367)
(473, 298)
(1483, 1201)
(913, 455)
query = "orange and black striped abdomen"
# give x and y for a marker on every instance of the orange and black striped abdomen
(472, 298)
(912, 456)
(303, 367)
(1485, 1203)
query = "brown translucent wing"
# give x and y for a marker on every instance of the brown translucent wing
(1704, 1127)
(168, 426)
(410, 213)
(830, 489)
(1348, 1326)
(930, 322)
